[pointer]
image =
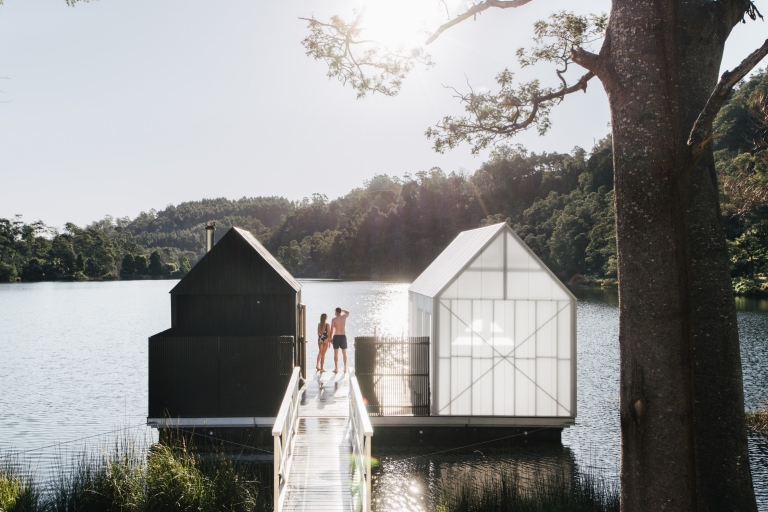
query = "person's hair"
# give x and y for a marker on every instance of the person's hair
(323, 318)
(338, 310)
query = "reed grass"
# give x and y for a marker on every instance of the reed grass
(18, 492)
(129, 476)
(558, 490)
(757, 420)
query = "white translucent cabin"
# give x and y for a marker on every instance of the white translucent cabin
(502, 330)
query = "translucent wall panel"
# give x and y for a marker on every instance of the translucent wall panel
(504, 358)
(504, 338)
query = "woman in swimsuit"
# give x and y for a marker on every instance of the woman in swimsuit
(323, 330)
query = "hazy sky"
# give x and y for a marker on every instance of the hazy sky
(119, 106)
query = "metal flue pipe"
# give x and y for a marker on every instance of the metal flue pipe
(209, 231)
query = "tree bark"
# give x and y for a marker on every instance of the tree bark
(651, 162)
(683, 440)
(723, 477)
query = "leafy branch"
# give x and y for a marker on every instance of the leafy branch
(701, 133)
(495, 116)
(368, 66)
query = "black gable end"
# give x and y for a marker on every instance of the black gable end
(234, 266)
(237, 289)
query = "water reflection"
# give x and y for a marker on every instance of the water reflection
(411, 478)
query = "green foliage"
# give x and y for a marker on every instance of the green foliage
(155, 264)
(741, 159)
(127, 477)
(141, 265)
(128, 265)
(185, 266)
(7, 272)
(394, 228)
(559, 490)
(18, 492)
(79, 262)
(492, 117)
(558, 36)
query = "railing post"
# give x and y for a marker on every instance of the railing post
(282, 432)
(368, 490)
(276, 463)
(361, 435)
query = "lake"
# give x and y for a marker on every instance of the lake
(73, 365)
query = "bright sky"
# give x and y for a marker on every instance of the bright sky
(118, 106)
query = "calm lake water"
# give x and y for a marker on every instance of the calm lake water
(73, 364)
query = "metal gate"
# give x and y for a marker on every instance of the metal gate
(393, 373)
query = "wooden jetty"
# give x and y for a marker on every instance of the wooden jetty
(322, 439)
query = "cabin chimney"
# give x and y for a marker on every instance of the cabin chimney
(209, 230)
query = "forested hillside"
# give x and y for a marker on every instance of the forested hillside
(560, 204)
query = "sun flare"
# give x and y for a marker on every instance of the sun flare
(405, 23)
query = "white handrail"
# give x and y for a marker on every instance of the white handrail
(361, 449)
(283, 434)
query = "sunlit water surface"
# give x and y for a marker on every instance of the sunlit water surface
(73, 365)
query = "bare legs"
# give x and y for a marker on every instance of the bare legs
(321, 350)
(336, 359)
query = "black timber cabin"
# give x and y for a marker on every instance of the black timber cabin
(237, 331)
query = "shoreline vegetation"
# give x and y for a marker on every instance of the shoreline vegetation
(757, 421)
(129, 474)
(508, 491)
(560, 204)
(129, 477)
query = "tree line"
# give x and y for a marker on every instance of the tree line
(101, 250)
(561, 205)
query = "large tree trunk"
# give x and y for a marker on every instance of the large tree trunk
(651, 184)
(724, 480)
(681, 388)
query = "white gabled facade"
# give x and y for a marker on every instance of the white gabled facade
(502, 328)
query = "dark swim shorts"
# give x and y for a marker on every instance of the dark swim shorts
(340, 341)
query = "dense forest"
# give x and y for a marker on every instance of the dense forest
(560, 204)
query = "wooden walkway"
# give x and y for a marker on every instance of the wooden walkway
(319, 479)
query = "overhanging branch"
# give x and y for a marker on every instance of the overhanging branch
(500, 115)
(474, 11)
(701, 133)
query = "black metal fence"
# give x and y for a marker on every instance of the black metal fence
(393, 374)
(218, 376)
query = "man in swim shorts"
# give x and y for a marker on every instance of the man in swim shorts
(339, 336)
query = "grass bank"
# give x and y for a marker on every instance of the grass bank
(757, 421)
(126, 477)
(558, 490)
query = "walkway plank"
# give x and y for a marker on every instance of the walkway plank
(319, 479)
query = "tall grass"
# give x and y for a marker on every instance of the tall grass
(18, 492)
(757, 420)
(128, 477)
(559, 490)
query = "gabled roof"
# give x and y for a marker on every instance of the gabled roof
(237, 264)
(453, 259)
(461, 252)
(269, 258)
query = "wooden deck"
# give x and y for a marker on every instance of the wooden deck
(319, 478)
